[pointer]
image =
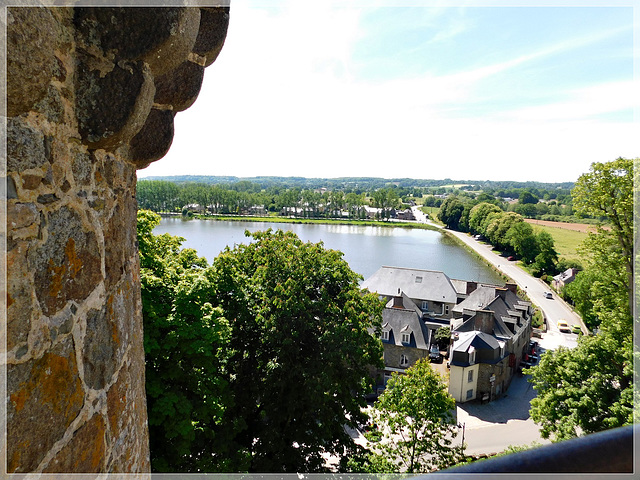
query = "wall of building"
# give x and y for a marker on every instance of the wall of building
(91, 97)
(459, 382)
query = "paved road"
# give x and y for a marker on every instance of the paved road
(554, 309)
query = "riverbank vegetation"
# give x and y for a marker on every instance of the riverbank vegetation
(347, 198)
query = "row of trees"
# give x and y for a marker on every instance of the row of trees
(241, 196)
(258, 362)
(164, 196)
(507, 231)
(590, 388)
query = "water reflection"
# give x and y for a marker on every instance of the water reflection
(365, 248)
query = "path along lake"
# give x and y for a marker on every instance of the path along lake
(365, 248)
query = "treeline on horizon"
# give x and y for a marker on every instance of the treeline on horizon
(339, 197)
(365, 183)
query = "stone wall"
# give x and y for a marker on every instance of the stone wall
(91, 97)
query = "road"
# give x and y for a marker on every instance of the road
(492, 427)
(554, 309)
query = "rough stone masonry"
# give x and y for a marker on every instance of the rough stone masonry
(91, 97)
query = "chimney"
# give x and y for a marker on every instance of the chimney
(501, 292)
(471, 286)
(397, 300)
(512, 287)
(483, 321)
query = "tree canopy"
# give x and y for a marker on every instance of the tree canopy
(590, 388)
(415, 416)
(300, 351)
(185, 340)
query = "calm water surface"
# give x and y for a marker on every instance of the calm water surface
(366, 249)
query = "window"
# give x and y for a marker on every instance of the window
(418, 279)
(404, 361)
(385, 335)
(472, 357)
(470, 376)
(406, 338)
(469, 394)
(446, 309)
(425, 305)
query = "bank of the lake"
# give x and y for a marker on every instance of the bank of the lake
(365, 247)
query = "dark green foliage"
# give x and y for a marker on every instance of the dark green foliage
(185, 339)
(451, 212)
(300, 351)
(590, 388)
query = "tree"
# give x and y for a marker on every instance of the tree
(607, 192)
(591, 386)
(588, 388)
(527, 198)
(451, 212)
(417, 411)
(479, 213)
(300, 352)
(545, 261)
(184, 340)
(522, 239)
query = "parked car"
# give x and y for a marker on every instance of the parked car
(563, 326)
(576, 329)
(434, 353)
(547, 295)
(511, 258)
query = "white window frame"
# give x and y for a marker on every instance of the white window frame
(404, 361)
(446, 309)
(406, 338)
(385, 335)
(470, 376)
(472, 357)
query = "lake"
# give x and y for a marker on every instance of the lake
(365, 248)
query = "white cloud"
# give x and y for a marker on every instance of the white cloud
(280, 100)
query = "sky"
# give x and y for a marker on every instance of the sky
(369, 88)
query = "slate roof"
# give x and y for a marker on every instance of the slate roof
(419, 284)
(401, 320)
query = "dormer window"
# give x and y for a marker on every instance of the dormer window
(472, 356)
(385, 335)
(406, 338)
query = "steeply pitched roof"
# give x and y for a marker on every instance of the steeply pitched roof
(405, 319)
(419, 284)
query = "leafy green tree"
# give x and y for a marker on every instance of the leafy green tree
(415, 415)
(607, 192)
(545, 261)
(479, 213)
(523, 240)
(185, 340)
(586, 389)
(526, 197)
(442, 337)
(451, 212)
(591, 386)
(300, 352)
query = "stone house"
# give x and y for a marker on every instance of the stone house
(563, 279)
(405, 336)
(490, 332)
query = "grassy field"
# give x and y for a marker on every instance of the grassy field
(566, 241)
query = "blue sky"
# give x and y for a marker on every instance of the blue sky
(368, 88)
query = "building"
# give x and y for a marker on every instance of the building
(490, 333)
(563, 279)
(490, 325)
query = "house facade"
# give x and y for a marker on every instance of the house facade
(490, 332)
(563, 279)
(490, 325)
